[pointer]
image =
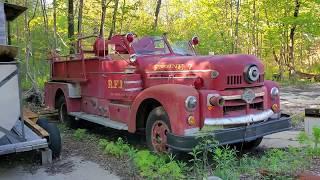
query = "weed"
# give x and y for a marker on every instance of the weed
(158, 166)
(79, 134)
(200, 163)
(226, 163)
(297, 119)
(311, 142)
(118, 148)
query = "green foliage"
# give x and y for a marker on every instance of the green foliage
(200, 166)
(118, 148)
(80, 134)
(157, 166)
(151, 166)
(297, 119)
(311, 142)
(225, 163)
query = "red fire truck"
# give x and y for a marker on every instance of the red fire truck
(167, 91)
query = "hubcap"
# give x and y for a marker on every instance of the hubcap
(159, 136)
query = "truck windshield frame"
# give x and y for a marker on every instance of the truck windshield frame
(157, 45)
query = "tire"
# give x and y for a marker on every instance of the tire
(247, 146)
(157, 128)
(252, 144)
(63, 112)
(54, 137)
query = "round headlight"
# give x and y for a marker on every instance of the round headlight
(274, 92)
(191, 103)
(252, 74)
(133, 58)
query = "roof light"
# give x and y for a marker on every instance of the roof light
(195, 40)
(130, 37)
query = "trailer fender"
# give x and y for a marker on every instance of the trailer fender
(172, 97)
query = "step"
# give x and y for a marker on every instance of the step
(99, 120)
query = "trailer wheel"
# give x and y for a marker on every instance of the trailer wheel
(157, 128)
(63, 113)
(54, 136)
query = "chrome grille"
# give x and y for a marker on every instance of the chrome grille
(234, 79)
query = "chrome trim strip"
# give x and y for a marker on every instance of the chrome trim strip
(183, 71)
(233, 97)
(191, 131)
(250, 118)
(194, 77)
(132, 89)
(132, 82)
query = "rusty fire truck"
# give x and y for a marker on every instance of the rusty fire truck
(167, 91)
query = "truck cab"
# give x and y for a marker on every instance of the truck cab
(167, 91)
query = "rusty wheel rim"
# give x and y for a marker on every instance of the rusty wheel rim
(159, 136)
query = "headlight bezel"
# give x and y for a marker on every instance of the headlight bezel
(252, 73)
(191, 103)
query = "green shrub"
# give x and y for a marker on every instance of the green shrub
(158, 166)
(118, 149)
(79, 134)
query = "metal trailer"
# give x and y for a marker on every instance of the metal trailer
(19, 131)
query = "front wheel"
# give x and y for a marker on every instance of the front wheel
(157, 129)
(248, 146)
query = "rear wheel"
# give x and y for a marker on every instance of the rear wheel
(63, 112)
(157, 129)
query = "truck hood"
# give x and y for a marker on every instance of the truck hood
(218, 72)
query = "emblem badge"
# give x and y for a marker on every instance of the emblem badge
(248, 95)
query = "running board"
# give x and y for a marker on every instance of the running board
(99, 120)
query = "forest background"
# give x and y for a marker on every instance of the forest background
(284, 34)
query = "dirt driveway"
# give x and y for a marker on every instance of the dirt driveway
(83, 161)
(295, 99)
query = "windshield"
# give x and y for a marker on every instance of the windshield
(150, 46)
(183, 48)
(158, 46)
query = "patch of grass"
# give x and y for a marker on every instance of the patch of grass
(149, 165)
(311, 142)
(297, 119)
(80, 134)
(118, 148)
(155, 166)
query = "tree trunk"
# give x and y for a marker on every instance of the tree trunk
(71, 25)
(291, 36)
(80, 18)
(236, 33)
(114, 18)
(156, 15)
(55, 23)
(123, 9)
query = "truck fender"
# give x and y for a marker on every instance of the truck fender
(71, 92)
(268, 99)
(172, 97)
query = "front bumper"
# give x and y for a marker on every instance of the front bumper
(233, 135)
